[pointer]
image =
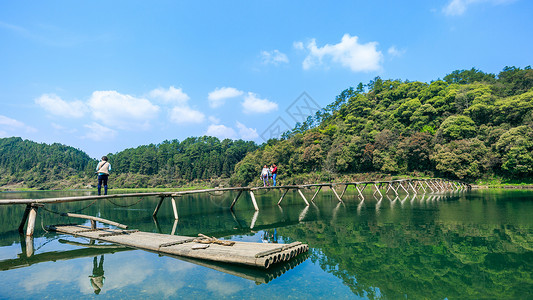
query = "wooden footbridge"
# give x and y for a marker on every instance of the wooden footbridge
(379, 188)
(262, 255)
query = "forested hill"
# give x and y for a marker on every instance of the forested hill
(207, 160)
(174, 163)
(470, 125)
(37, 165)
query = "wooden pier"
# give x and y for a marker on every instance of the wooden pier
(379, 188)
(261, 255)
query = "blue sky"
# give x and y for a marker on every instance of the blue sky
(103, 76)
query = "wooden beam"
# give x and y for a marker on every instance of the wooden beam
(24, 218)
(335, 192)
(158, 206)
(31, 221)
(412, 187)
(72, 215)
(303, 197)
(174, 208)
(235, 200)
(401, 185)
(360, 191)
(344, 191)
(282, 196)
(377, 190)
(254, 219)
(316, 193)
(174, 227)
(253, 200)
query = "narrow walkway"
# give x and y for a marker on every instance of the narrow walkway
(380, 188)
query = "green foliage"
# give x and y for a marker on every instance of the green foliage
(462, 159)
(469, 126)
(38, 165)
(457, 127)
(469, 76)
(170, 163)
(515, 148)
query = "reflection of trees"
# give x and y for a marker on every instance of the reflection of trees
(424, 261)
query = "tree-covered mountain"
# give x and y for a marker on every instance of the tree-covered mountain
(468, 126)
(41, 165)
(174, 163)
(169, 164)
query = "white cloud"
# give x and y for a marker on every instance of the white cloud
(98, 132)
(219, 95)
(394, 52)
(10, 126)
(5, 121)
(348, 53)
(213, 119)
(122, 111)
(184, 114)
(57, 106)
(298, 45)
(274, 57)
(459, 7)
(253, 104)
(61, 128)
(246, 133)
(172, 95)
(221, 131)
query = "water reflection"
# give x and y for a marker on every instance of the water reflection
(97, 278)
(450, 245)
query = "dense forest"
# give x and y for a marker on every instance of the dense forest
(35, 165)
(470, 125)
(173, 163)
(205, 159)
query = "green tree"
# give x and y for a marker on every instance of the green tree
(457, 127)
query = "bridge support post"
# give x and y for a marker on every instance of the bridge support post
(235, 200)
(316, 193)
(282, 196)
(24, 218)
(174, 208)
(158, 207)
(360, 191)
(335, 192)
(412, 187)
(377, 190)
(253, 200)
(303, 197)
(344, 191)
(31, 220)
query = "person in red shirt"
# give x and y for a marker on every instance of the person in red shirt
(274, 171)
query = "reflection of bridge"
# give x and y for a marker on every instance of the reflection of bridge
(380, 188)
(92, 250)
(26, 258)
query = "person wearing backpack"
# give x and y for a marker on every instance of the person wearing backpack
(103, 168)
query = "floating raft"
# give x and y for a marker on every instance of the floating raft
(262, 255)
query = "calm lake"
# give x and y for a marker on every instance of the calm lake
(462, 245)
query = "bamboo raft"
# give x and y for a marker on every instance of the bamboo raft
(261, 255)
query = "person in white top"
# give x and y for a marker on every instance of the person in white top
(264, 175)
(103, 168)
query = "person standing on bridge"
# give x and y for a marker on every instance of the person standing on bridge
(264, 175)
(274, 171)
(103, 168)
